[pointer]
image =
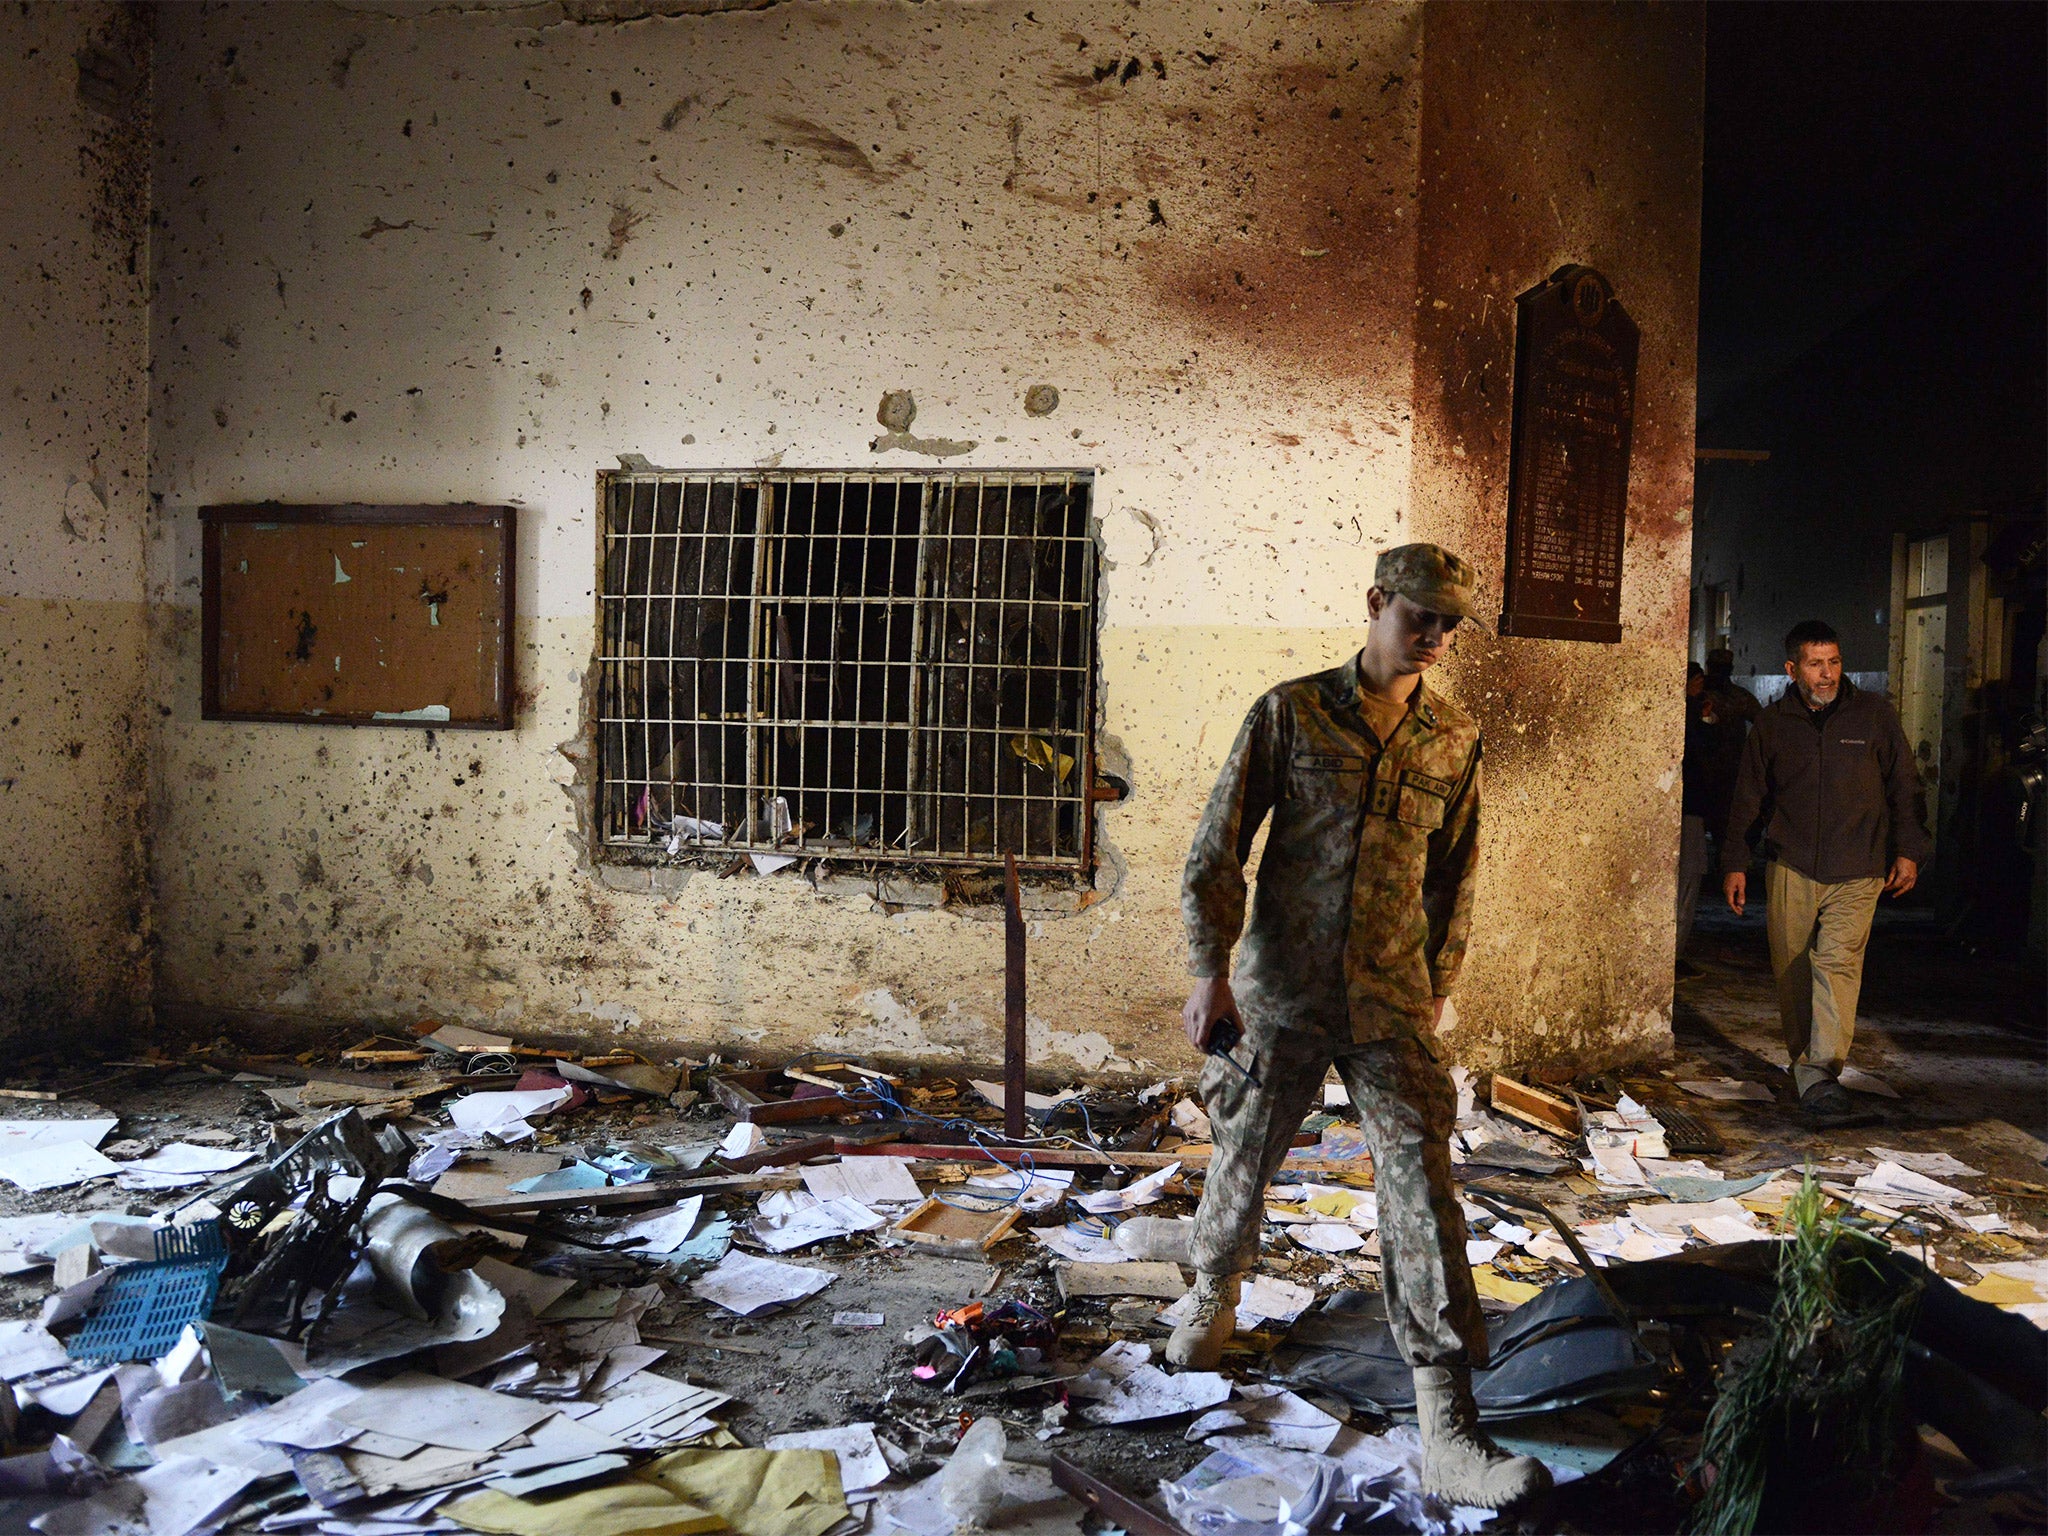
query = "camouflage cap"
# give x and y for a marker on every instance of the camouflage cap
(1431, 577)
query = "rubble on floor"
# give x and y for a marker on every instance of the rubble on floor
(451, 1284)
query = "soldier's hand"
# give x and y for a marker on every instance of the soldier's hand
(1904, 876)
(1210, 1001)
(1736, 889)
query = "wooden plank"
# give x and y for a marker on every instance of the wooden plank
(1533, 1106)
(647, 1192)
(1196, 1156)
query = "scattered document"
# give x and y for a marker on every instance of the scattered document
(788, 1229)
(666, 1231)
(1131, 1196)
(55, 1165)
(1127, 1388)
(993, 1092)
(1034, 1189)
(870, 1180)
(1269, 1415)
(20, 1135)
(745, 1285)
(444, 1413)
(1936, 1165)
(504, 1115)
(1890, 1179)
(861, 1463)
(1329, 1236)
(1082, 1241)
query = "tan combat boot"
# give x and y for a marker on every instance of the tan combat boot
(1198, 1342)
(1458, 1462)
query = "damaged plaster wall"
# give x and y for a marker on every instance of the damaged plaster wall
(437, 256)
(1558, 133)
(74, 198)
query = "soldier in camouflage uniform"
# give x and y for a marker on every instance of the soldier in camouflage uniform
(1371, 778)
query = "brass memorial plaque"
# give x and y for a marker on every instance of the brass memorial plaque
(1575, 403)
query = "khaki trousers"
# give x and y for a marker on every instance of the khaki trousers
(1693, 865)
(1817, 933)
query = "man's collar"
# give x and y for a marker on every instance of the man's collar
(1351, 682)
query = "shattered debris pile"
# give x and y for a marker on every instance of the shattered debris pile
(451, 1284)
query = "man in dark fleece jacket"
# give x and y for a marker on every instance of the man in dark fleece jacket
(1828, 772)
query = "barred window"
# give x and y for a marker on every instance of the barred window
(894, 667)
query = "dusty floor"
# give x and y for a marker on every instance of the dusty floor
(1960, 1039)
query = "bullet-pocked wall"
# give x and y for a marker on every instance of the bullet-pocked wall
(74, 204)
(440, 256)
(1556, 133)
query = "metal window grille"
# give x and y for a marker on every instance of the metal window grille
(878, 667)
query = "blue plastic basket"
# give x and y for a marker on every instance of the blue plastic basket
(142, 1308)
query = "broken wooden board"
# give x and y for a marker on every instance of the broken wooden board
(1534, 1106)
(647, 1192)
(1141, 1278)
(955, 1229)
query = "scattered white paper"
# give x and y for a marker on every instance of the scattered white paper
(1616, 1168)
(1888, 1178)
(444, 1413)
(743, 1140)
(1727, 1090)
(1131, 1196)
(1034, 1189)
(745, 1284)
(1082, 1242)
(27, 1348)
(1729, 1229)
(1989, 1221)
(859, 1319)
(1329, 1236)
(63, 1398)
(55, 1165)
(1269, 1415)
(504, 1115)
(870, 1180)
(1482, 1250)
(861, 1463)
(20, 1135)
(993, 1092)
(1127, 1388)
(1263, 1299)
(1512, 1234)
(1936, 1165)
(768, 863)
(782, 1233)
(25, 1240)
(184, 1493)
(184, 1157)
(665, 1231)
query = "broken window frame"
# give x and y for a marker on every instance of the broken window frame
(942, 750)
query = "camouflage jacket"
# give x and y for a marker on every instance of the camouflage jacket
(1365, 885)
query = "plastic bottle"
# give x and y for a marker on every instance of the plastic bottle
(1156, 1237)
(971, 1487)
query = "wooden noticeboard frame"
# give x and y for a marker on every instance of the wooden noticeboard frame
(1574, 416)
(359, 615)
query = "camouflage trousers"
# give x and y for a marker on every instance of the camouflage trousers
(1407, 1108)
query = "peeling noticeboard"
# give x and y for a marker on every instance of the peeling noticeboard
(359, 615)
(1574, 412)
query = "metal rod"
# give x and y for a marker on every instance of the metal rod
(1013, 1002)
